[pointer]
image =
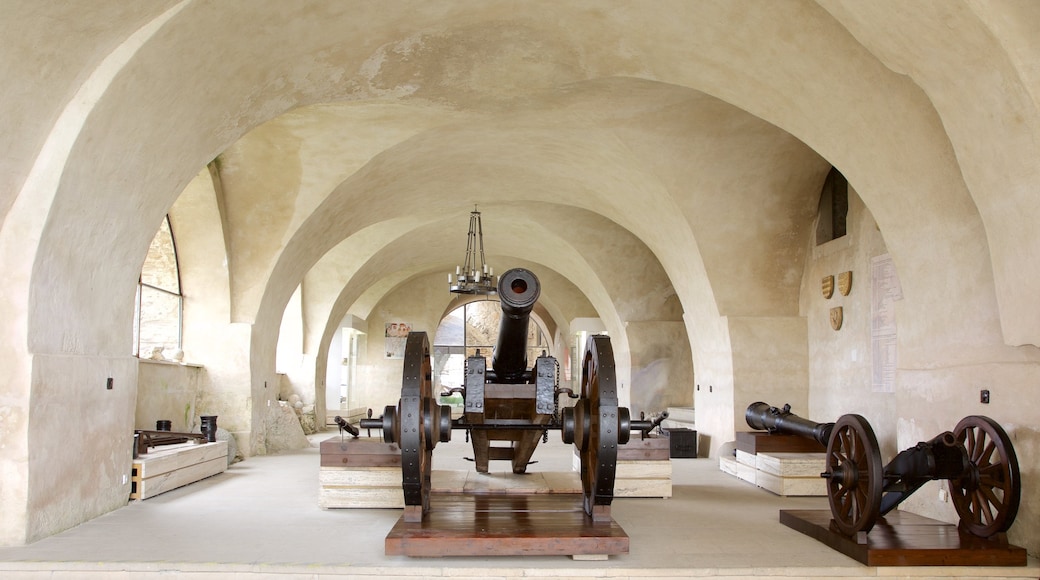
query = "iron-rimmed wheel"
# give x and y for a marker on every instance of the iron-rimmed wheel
(597, 423)
(854, 475)
(412, 417)
(988, 496)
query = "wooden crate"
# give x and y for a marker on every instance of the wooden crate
(173, 466)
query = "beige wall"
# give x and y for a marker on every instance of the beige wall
(168, 391)
(627, 150)
(840, 361)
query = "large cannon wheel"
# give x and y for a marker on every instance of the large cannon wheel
(987, 497)
(418, 425)
(854, 475)
(596, 426)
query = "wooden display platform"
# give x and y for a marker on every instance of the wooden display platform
(172, 466)
(506, 525)
(792, 474)
(359, 473)
(906, 539)
(644, 468)
(359, 452)
(755, 442)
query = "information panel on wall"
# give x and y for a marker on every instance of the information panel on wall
(884, 291)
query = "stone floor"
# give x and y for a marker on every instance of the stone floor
(260, 520)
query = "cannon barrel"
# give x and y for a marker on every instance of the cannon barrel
(518, 290)
(781, 420)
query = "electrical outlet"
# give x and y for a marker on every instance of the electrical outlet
(124, 479)
(944, 496)
(984, 396)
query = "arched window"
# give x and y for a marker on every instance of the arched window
(833, 209)
(467, 329)
(159, 308)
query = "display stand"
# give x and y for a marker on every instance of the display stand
(506, 525)
(906, 539)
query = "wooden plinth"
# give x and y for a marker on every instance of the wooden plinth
(905, 539)
(361, 452)
(506, 525)
(754, 442)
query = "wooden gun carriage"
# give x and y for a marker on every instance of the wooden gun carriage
(512, 406)
(976, 458)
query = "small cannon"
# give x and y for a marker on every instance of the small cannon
(764, 417)
(345, 426)
(510, 403)
(977, 458)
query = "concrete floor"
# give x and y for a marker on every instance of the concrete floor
(260, 519)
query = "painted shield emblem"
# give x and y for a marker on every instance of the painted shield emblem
(845, 283)
(836, 317)
(827, 286)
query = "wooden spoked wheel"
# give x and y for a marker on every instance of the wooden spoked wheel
(988, 495)
(597, 427)
(854, 475)
(418, 425)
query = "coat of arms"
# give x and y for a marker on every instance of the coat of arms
(827, 286)
(836, 317)
(845, 283)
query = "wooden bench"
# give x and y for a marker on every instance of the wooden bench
(172, 466)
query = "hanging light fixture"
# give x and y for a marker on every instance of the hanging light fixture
(471, 277)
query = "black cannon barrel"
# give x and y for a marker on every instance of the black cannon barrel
(518, 290)
(776, 420)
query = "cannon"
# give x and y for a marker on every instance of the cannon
(976, 458)
(764, 417)
(510, 403)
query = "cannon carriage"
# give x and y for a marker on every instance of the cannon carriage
(976, 458)
(510, 407)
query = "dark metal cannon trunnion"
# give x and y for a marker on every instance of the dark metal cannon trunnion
(511, 404)
(977, 460)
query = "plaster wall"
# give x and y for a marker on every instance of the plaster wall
(418, 302)
(210, 338)
(662, 366)
(713, 403)
(841, 361)
(82, 442)
(770, 363)
(168, 391)
(334, 371)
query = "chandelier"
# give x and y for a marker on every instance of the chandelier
(471, 277)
